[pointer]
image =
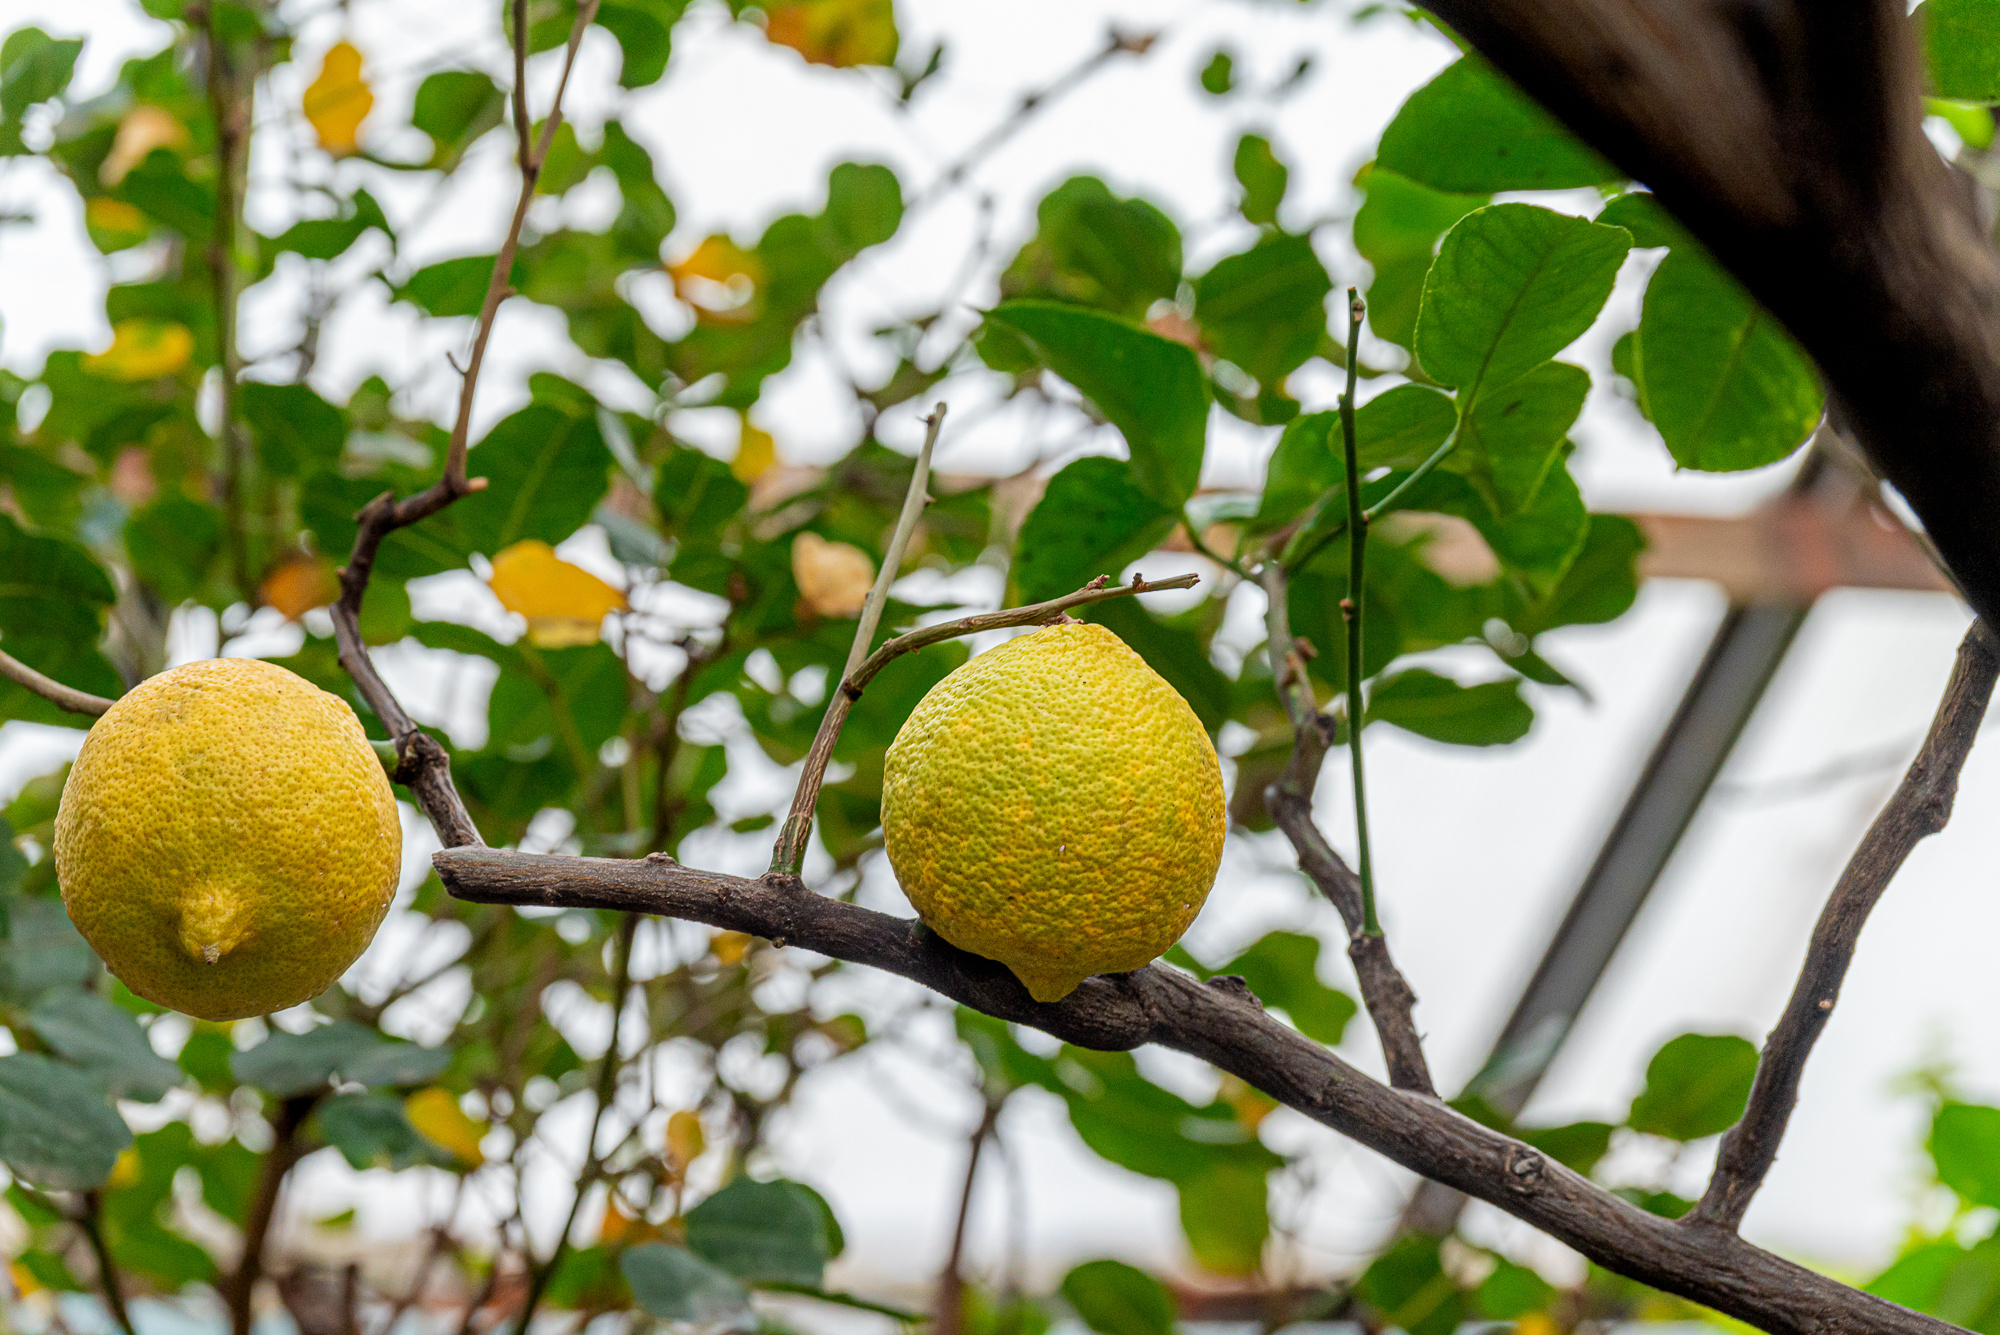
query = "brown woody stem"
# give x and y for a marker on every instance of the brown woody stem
(1918, 808)
(65, 697)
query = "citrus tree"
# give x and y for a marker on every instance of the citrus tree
(165, 473)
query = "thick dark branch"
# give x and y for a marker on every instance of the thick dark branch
(790, 848)
(1387, 994)
(63, 697)
(1787, 135)
(1220, 1025)
(1919, 807)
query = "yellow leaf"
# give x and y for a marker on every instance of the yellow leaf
(720, 280)
(565, 605)
(142, 350)
(833, 577)
(840, 33)
(140, 131)
(298, 584)
(25, 1282)
(338, 100)
(1251, 1105)
(437, 1117)
(618, 1227)
(755, 453)
(125, 1171)
(685, 1141)
(113, 224)
(729, 948)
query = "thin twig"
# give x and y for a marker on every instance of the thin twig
(65, 697)
(1919, 807)
(914, 501)
(1422, 471)
(949, 1317)
(108, 1277)
(607, 1081)
(286, 1128)
(227, 111)
(424, 767)
(1386, 993)
(789, 853)
(1351, 609)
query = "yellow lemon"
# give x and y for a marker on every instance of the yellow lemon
(1055, 805)
(227, 841)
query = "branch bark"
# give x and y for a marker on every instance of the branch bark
(1217, 1024)
(1787, 135)
(286, 1150)
(63, 697)
(1920, 807)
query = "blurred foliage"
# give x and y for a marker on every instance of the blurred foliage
(624, 697)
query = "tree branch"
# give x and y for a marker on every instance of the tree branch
(1391, 1004)
(1220, 1026)
(1919, 807)
(108, 1277)
(64, 697)
(786, 857)
(285, 1152)
(1787, 136)
(423, 765)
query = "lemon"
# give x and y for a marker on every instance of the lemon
(1054, 804)
(227, 841)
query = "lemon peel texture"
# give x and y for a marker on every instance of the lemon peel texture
(227, 842)
(1055, 805)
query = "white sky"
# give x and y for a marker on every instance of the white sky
(1479, 851)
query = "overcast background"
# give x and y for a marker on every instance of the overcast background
(1478, 851)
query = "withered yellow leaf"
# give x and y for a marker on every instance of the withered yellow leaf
(755, 453)
(142, 350)
(833, 577)
(841, 33)
(437, 1117)
(140, 130)
(719, 279)
(113, 224)
(685, 1140)
(299, 584)
(565, 605)
(338, 100)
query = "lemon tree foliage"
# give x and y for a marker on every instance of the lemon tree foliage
(608, 702)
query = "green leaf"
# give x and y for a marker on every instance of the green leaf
(1262, 177)
(50, 587)
(1696, 1086)
(1092, 248)
(1964, 1144)
(297, 432)
(1409, 1286)
(1512, 286)
(1397, 231)
(864, 207)
(173, 543)
(1225, 1216)
(42, 950)
(1150, 388)
(1265, 309)
(1726, 385)
(1470, 131)
(1399, 428)
(373, 1131)
(547, 471)
(1113, 1298)
(1218, 76)
(1511, 1291)
(1575, 1145)
(454, 287)
(1092, 520)
(1514, 433)
(674, 1284)
(698, 497)
(56, 1127)
(456, 107)
(286, 1064)
(775, 1231)
(1491, 713)
(1282, 968)
(1598, 585)
(34, 67)
(105, 1041)
(1961, 40)
(644, 33)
